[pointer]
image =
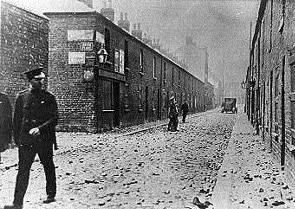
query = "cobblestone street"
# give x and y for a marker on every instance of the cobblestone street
(214, 157)
(149, 169)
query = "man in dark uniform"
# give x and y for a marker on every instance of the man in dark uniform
(35, 118)
(5, 123)
(184, 109)
(173, 115)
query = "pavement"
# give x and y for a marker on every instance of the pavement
(249, 176)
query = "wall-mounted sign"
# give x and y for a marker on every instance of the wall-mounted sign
(76, 58)
(100, 37)
(78, 35)
(86, 46)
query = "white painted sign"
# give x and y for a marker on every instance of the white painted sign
(76, 58)
(100, 37)
(77, 35)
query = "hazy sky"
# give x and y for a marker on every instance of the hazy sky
(222, 26)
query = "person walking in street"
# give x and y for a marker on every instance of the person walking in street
(185, 110)
(173, 115)
(34, 121)
(5, 123)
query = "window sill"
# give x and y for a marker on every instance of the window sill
(127, 110)
(108, 110)
(109, 62)
(141, 73)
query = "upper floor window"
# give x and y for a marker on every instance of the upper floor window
(293, 114)
(119, 61)
(126, 49)
(277, 85)
(154, 67)
(179, 77)
(293, 77)
(107, 37)
(141, 60)
(173, 76)
(164, 71)
(271, 25)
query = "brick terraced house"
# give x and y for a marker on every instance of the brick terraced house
(133, 86)
(271, 81)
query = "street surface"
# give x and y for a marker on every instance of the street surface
(150, 169)
(214, 157)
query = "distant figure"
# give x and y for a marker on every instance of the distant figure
(185, 110)
(34, 122)
(5, 123)
(173, 115)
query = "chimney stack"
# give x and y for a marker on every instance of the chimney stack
(124, 23)
(108, 12)
(137, 32)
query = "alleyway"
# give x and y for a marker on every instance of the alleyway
(155, 169)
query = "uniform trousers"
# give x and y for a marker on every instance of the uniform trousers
(184, 114)
(27, 155)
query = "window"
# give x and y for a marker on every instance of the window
(119, 61)
(141, 60)
(277, 86)
(164, 73)
(126, 58)
(179, 77)
(154, 67)
(293, 77)
(293, 114)
(108, 41)
(271, 25)
(276, 120)
(139, 96)
(107, 103)
(173, 76)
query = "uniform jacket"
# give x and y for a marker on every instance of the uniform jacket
(173, 110)
(5, 121)
(184, 107)
(35, 108)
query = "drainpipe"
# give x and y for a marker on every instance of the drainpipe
(283, 116)
(283, 102)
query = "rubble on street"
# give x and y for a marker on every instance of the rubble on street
(147, 167)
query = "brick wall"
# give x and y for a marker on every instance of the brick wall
(142, 97)
(24, 45)
(277, 43)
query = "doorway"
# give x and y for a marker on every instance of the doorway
(116, 93)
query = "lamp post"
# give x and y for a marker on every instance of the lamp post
(100, 60)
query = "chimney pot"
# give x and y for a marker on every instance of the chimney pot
(126, 16)
(138, 25)
(121, 15)
(134, 25)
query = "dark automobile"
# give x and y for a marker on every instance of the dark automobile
(229, 105)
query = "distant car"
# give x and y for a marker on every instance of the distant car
(229, 105)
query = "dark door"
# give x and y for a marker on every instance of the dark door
(159, 105)
(116, 92)
(146, 102)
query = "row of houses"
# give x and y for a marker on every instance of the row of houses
(132, 86)
(270, 81)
